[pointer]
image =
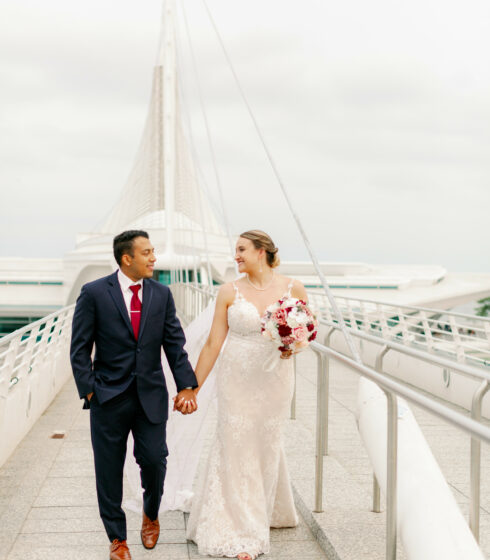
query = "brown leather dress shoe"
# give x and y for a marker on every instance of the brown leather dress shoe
(150, 531)
(119, 550)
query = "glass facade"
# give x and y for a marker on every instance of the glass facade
(165, 276)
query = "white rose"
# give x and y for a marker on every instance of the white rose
(301, 317)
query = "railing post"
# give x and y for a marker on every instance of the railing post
(319, 435)
(475, 462)
(326, 391)
(378, 366)
(30, 345)
(391, 475)
(8, 365)
(376, 495)
(293, 400)
(427, 331)
(460, 354)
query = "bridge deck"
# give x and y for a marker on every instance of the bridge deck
(48, 504)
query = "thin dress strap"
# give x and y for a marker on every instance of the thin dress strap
(290, 286)
(237, 291)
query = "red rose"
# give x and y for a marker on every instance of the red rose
(284, 330)
(312, 336)
(283, 348)
(311, 326)
(289, 309)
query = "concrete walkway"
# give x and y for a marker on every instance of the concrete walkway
(48, 505)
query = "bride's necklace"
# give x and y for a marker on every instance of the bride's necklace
(261, 289)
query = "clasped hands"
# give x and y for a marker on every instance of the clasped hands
(185, 401)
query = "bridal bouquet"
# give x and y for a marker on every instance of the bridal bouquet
(290, 324)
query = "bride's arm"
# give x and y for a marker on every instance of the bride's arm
(298, 291)
(219, 329)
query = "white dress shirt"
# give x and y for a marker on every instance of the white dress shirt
(125, 283)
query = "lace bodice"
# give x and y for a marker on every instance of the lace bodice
(243, 316)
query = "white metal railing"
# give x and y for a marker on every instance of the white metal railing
(461, 337)
(480, 375)
(34, 364)
(191, 299)
(186, 296)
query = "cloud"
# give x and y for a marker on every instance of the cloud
(376, 114)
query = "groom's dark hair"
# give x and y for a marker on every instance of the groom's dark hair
(123, 243)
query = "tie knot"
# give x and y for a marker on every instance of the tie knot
(135, 289)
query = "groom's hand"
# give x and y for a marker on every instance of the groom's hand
(185, 401)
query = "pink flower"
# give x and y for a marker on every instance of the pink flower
(299, 334)
(280, 316)
(287, 340)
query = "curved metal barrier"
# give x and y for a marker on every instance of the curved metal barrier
(34, 364)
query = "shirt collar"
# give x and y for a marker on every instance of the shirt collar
(126, 282)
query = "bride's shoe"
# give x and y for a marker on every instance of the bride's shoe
(245, 556)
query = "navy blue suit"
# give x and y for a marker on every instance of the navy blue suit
(129, 388)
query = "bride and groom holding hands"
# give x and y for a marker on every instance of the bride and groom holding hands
(128, 318)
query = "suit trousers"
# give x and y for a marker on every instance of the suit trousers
(110, 424)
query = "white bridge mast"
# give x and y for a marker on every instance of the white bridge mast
(167, 128)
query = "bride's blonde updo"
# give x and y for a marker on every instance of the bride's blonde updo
(261, 240)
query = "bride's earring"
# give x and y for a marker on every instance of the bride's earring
(260, 268)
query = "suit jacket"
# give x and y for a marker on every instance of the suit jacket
(101, 319)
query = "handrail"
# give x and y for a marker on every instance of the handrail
(394, 389)
(27, 328)
(464, 369)
(469, 425)
(19, 349)
(34, 366)
(433, 310)
(464, 337)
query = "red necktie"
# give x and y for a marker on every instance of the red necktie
(135, 309)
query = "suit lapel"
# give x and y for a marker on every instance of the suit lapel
(147, 295)
(116, 294)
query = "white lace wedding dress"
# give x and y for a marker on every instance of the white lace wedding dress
(245, 488)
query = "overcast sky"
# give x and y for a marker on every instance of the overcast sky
(376, 112)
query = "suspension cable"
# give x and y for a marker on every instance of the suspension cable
(208, 131)
(328, 292)
(194, 160)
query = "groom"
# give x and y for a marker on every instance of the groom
(129, 317)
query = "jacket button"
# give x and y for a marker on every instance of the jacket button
(138, 350)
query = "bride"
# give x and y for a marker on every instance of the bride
(245, 489)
